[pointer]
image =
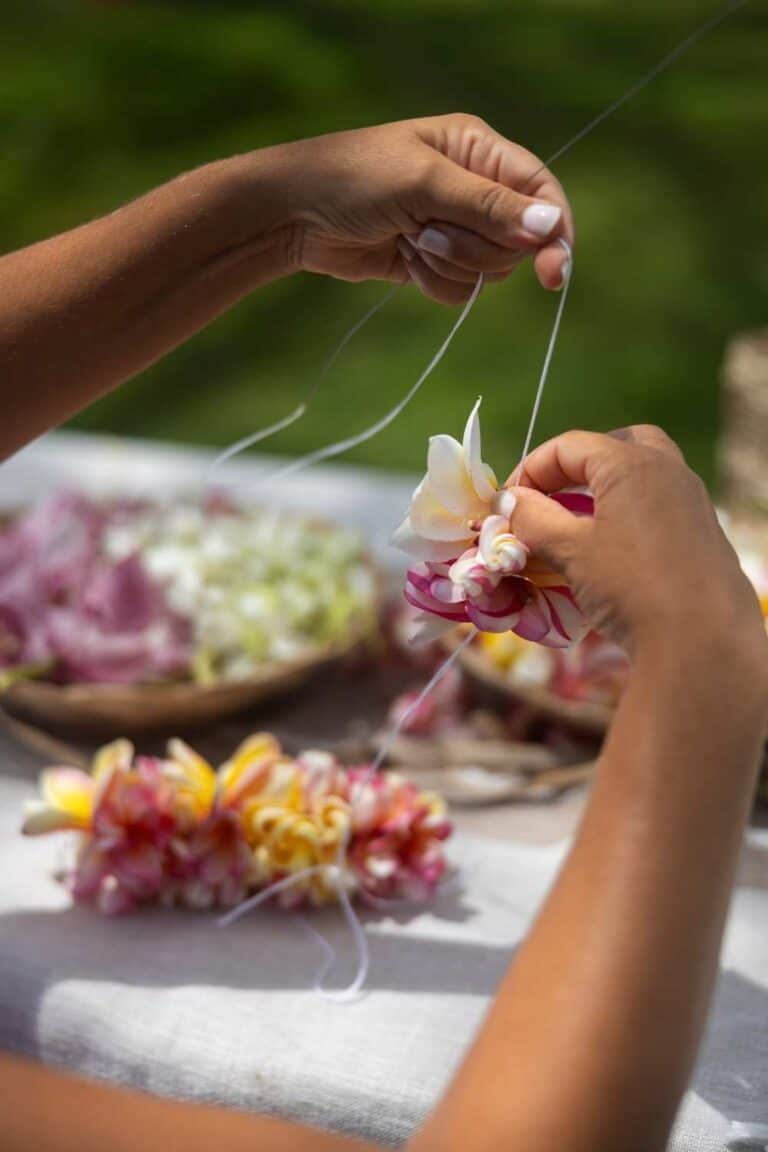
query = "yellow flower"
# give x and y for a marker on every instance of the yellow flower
(69, 795)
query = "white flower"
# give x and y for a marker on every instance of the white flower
(499, 550)
(455, 495)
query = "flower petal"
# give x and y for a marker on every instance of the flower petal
(417, 546)
(483, 480)
(535, 621)
(499, 548)
(70, 791)
(424, 628)
(579, 503)
(431, 519)
(569, 622)
(449, 478)
(455, 612)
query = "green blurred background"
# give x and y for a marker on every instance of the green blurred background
(101, 101)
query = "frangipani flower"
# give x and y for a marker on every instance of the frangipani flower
(472, 569)
(175, 830)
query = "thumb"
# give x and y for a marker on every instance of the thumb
(546, 528)
(490, 209)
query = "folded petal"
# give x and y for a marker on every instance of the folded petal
(535, 621)
(499, 548)
(483, 480)
(499, 611)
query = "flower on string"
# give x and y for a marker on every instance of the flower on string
(174, 830)
(471, 568)
(396, 848)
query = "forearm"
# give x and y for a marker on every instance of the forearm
(592, 1037)
(83, 311)
(52, 1112)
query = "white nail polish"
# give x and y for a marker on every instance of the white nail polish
(434, 241)
(541, 219)
(504, 503)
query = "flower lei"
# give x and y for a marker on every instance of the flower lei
(175, 831)
(472, 569)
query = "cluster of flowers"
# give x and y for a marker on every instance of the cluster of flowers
(128, 591)
(595, 671)
(175, 831)
(472, 569)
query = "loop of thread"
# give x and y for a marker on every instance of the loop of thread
(337, 874)
(567, 272)
(285, 422)
(341, 446)
(354, 989)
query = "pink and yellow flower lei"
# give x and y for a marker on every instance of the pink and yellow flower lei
(173, 830)
(472, 569)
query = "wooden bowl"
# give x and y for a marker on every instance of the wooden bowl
(583, 715)
(117, 709)
(108, 710)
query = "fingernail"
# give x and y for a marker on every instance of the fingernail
(541, 219)
(434, 241)
(405, 250)
(504, 503)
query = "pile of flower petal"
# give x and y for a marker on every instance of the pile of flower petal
(175, 831)
(129, 592)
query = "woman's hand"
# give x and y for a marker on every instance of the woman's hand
(654, 561)
(435, 200)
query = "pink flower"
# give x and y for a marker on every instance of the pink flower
(473, 569)
(174, 831)
(64, 605)
(123, 860)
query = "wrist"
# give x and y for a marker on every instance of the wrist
(725, 659)
(248, 201)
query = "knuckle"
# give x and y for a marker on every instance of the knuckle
(470, 121)
(494, 204)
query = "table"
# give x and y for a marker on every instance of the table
(161, 1003)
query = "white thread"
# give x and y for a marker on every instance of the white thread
(368, 433)
(264, 433)
(353, 990)
(567, 273)
(336, 449)
(661, 66)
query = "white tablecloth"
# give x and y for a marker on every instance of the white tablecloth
(170, 1003)
(173, 1004)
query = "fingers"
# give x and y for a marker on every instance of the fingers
(566, 461)
(492, 210)
(430, 283)
(471, 143)
(546, 528)
(573, 458)
(451, 271)
(549, 265)
(464, 250)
